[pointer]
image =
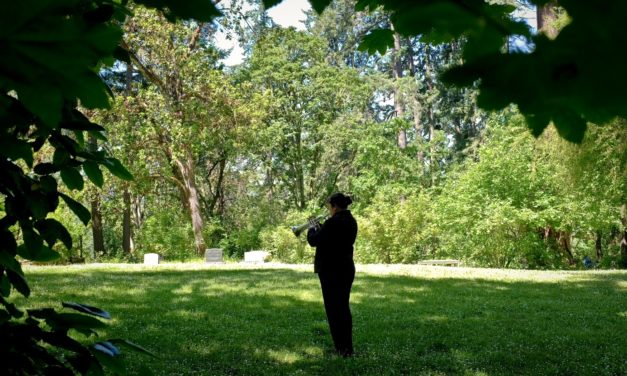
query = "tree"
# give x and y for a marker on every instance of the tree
(307, 97)
(46, 72)
(570, 80)
(191, 113)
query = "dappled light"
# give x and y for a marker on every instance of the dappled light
(470, 156)
(269, 320)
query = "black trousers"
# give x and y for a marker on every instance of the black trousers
(336, 290)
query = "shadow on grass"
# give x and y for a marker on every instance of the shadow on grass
(271, 321)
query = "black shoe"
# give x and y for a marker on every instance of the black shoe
(346, 353)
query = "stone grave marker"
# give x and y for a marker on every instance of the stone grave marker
(152, 259)
(213, 255)
(258, 256)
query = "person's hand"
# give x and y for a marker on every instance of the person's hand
(314, 223)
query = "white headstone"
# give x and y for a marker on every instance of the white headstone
(152, 259)
(256, 256)
(213, 255)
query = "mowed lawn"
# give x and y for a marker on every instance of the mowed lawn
(408, 320)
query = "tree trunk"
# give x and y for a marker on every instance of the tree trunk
(546, 17)
(218, 193)
(186, 169)
(564, 239)
(598, 244)
(623, 242)
(299, 173)
(432, 158)
(138, 215)
(430, 118)
(127, 229)
(416, 108)
(397, 72)
(96, 225)
(96, 215)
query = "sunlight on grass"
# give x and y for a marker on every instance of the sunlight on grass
(269, 319)
(283, 357)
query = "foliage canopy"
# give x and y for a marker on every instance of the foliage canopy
(53, 51)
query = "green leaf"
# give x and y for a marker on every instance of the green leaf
(80, 122)
(9, 262)
(39, 204)
(537, 122)
(93, 172)
(74, 321)
(87, 309)
(319, 5)
(378, 40)
(4, 317)
(32, 242)
(5, 285)
(72, 178)
(81, 212)
(98, 135)
(570, 125)
(112, 362)
(19, 282)
(80, 138)
(45, 168)
(99, 15)
(45, 254)
(48, 184)
(51, 230)
(15, 149)
(7, 239)
(122, 55)
(370, 5)
(107, 348)
(59, 338)
(270, 3)
(117, 169)
(11, 308)
(60, 157)
(200, 10)
(42, 313)
(92, 91)
(133, 346)
(43, 101)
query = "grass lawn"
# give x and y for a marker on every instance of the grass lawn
(408, 320)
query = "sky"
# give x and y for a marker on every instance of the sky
(288, 13)
(291, 13)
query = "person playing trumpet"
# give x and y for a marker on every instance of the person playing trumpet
(334, 265)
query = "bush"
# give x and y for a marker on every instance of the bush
(239, 241)
(168, 233)
(283, 245)
(395, 230)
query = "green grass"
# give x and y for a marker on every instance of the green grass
(236, 320)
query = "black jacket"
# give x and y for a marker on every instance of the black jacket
(334, 242)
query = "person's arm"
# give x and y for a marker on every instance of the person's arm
(317, 236)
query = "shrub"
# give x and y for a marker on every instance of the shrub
(168, 233)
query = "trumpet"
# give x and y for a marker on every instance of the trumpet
(311, 222)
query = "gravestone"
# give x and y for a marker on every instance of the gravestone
(256, 256)
(213, 255)
(152, 259)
